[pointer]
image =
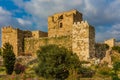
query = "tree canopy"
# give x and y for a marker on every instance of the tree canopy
(8, 58)
(55, 62)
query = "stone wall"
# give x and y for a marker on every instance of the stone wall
(110, 42)
(83, 42)
(20, 40)
(80, 37)
(27, 33)
(16, 38)
(61, 24)
(38, 34)
(31, 45)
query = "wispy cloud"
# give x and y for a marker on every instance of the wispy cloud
(24, 22)
(5, 17)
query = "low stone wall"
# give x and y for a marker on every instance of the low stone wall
(31, 45)
(26, 60)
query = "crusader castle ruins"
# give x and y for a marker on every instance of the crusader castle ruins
(64, 29)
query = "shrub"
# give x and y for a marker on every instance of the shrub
(104, 70)
(19, 68)
(8, 58)
(55, 62)
(116, 66)
(116, 48)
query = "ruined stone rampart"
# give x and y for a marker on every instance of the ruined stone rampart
(110, 42)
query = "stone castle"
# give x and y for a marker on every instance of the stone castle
(64, 29)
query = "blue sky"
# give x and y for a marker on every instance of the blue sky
(104, 15)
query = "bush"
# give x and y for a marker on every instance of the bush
(19, 68)
(116, 48)
(8, 58)
(55, 62)
(116, 66)
(104, 70)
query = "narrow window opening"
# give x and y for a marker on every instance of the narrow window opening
(61, 25)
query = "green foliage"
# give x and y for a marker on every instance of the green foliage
(115, 57)
(104, 70)
(55, 62)
(116, 48)
(116, 66)
(8, 58)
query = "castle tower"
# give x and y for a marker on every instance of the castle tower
(83, 40)
(9, 34)
(60, 24)
(15, 37)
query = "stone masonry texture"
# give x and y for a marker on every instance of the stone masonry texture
(64, 29)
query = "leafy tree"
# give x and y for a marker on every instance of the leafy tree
(8, 58)
(55, 62)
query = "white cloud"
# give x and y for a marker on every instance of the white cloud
(4, 12)
(5, 16)
(111, 32)
(44, 8)
(89, 7)
(115, 30)
(7, 19)
(41, 9)
(24, 22)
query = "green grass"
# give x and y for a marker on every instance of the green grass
(2, 70)
(29, 74)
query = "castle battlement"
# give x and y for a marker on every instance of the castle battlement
(81, 23)
(8, 29)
